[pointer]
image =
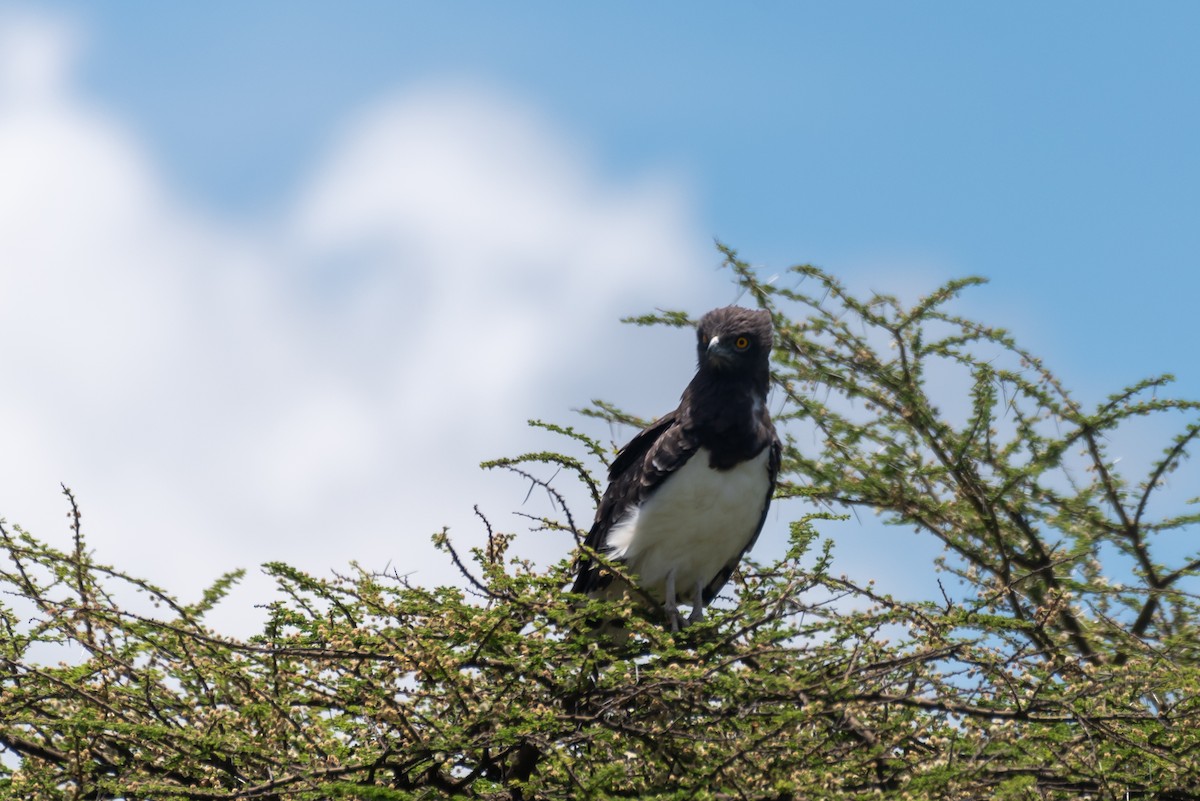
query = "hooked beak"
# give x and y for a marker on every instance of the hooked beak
(717, 353)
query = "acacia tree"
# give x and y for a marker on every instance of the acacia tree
(1069, 670)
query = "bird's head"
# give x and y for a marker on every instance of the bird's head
(733, 339)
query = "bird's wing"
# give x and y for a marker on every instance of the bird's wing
(773, 461)
(639, 468)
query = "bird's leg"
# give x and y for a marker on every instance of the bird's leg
(671, 606)
(697, 604)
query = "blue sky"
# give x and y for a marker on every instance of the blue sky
(300, 187)
(1050, 147)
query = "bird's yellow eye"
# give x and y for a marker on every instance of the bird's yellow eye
(741, 343)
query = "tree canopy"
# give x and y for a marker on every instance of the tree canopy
(1067, 668)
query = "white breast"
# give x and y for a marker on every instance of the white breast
(696, 522)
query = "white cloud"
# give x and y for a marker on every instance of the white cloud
(320, 389)
(36, 56)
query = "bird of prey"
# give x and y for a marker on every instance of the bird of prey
(688, 495)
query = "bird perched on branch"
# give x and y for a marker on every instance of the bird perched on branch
(688, 495)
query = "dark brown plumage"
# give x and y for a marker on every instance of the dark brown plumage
(683, 526)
